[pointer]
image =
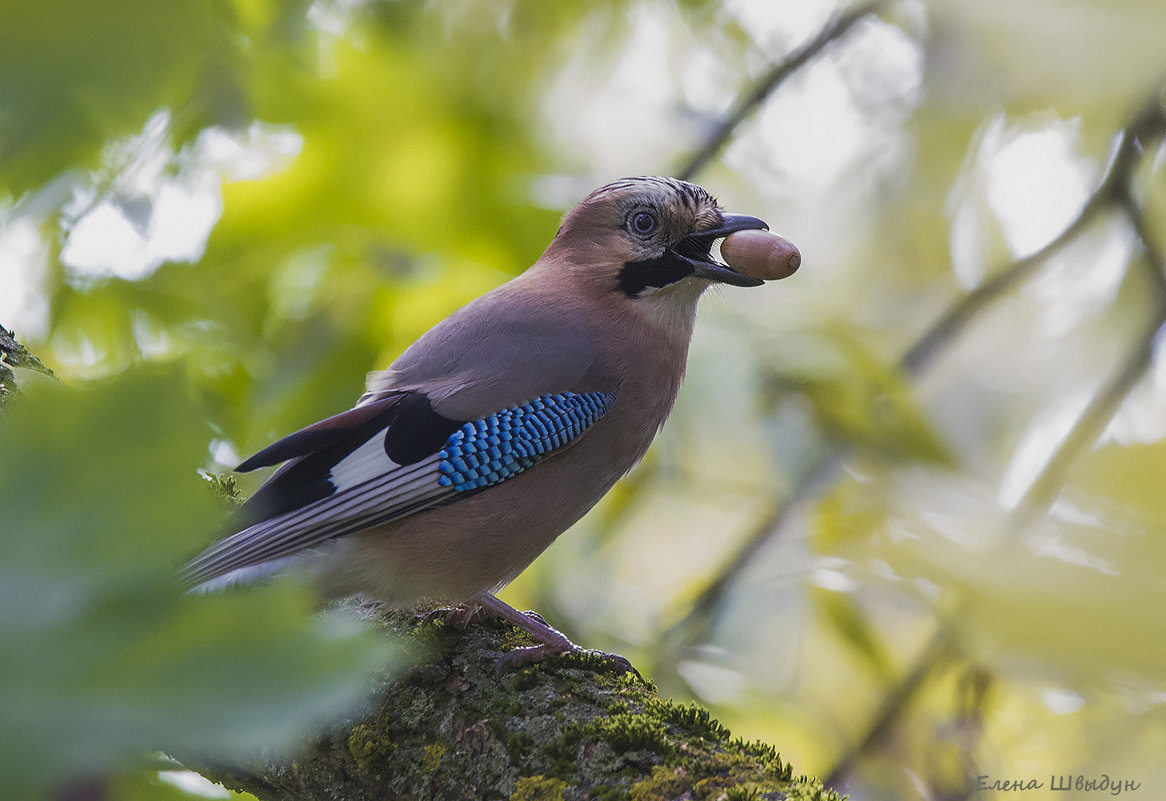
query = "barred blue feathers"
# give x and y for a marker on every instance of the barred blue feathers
(489, 451)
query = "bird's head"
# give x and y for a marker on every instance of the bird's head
(644, 236)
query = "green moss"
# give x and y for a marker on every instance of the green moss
(663, 784)
(511, 636)
(666, 783)
(767, 756)
(538, 788)
(434, 752)
(510, 707)
(632, 731)
(433, 638)
(630, 680)
(807, 789)
(696, 722)
(561, 753)
(518, 745)
(526, 679)
(595, 662)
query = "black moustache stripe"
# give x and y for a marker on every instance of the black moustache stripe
(636, 276)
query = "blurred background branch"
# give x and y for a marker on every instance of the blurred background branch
(1113, 192)
(751, 98)
(934, 655)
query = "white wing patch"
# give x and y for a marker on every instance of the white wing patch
(367, 462)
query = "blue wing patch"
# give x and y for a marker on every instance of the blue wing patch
(489, 451)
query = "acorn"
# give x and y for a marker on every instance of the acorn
(761, 254)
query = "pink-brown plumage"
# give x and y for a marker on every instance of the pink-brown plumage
(608, 308)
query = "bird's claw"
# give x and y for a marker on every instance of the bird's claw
(533, 654)
(521, 657)
(614, 662)
(551, 641)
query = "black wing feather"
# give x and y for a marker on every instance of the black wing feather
(412, 432)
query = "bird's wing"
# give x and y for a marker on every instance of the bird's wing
(488, 392)
(389, 458)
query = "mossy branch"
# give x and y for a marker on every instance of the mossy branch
(13, 354)
(570, 728)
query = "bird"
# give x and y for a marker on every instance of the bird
(501, 426)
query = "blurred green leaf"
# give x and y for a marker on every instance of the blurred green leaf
(848, 620)
(103, 657)
(1073, 595)
(72, 76)
(1122, 484)
(866, 402)
(846, 518)
(148, 786)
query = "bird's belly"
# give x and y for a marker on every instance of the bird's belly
(478, 543)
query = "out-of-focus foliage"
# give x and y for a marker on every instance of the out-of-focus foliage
(72, 76)
(104, 657)
(275, 197)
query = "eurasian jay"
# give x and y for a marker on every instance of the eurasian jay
(502, 425)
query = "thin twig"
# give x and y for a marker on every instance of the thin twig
(1105, 404)
(835, 29)
(1092, 422)
(957, 316)
(935, 653)
(823, 469)
(702, 615)
(953, 321)
(1155, 260)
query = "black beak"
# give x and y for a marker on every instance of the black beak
(696, 249)
(731, 223)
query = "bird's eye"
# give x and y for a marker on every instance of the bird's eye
(644, 223)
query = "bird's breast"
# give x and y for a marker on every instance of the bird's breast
(454, 552)
(486, 538)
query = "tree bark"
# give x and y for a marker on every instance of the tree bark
(569, 728)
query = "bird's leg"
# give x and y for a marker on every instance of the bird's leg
(552, 640)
